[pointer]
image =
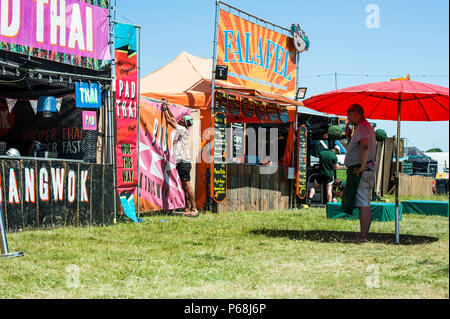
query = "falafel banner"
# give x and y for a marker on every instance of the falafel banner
(160, 185)
(257, 57)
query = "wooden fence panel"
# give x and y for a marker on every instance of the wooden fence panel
(413, 185)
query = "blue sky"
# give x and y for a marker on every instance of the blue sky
(412, 38)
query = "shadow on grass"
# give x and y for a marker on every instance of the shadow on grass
(328, 236)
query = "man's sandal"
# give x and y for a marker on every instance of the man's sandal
(190, 214)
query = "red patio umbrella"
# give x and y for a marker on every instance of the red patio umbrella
(397, 100)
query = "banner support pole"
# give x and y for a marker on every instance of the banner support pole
(213, 77)
(138, 118)
(112, 153)
(4, 241)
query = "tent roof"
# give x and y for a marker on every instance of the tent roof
(187, 81)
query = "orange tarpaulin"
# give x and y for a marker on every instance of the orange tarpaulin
(187, 81)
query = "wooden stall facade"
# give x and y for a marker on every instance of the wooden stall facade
(248, 190)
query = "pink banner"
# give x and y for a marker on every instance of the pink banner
(89, 120)
(160, 185)
(65, 26)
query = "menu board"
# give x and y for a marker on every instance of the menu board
(219, 164)
(234, 105)
(220, 102)
(260, 110)
(248, 107)
(272, 111)
(238, 142)
(302, 138)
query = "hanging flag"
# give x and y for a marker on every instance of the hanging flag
(11, 103)
(58, 103)
(127, 200)
(127, 125)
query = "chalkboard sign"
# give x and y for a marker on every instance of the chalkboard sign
(234, 105)
(219, 164)
(302, 135)
(238, 142)
(283, 115)
(221, 102)
(248, 107)
(272, 112)
(260, 110)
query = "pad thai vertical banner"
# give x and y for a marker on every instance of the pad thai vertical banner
(126, 110)
(257, 57)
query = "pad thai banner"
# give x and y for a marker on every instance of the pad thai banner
(160, 185)
(65, 26)
(126, 109)
(257, 58)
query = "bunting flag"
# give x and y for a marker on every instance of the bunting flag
(58, 104)
(34, 104)
(11, 103)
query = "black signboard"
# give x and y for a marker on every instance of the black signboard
(302, 134)
(221, 102)
(272, 112)
(260, 110)
(221, 72)
(238, 142)
(40, 194)
(219, 165)
(234, 105)
(248, 107)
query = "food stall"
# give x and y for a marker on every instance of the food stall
(55, 166)
(251, 112)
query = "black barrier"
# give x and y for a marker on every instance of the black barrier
(41, 194)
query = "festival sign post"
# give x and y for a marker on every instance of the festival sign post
(127, 117)
(301, 44)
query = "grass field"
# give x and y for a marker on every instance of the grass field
(278, 254)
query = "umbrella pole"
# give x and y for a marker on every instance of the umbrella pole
(397, 169)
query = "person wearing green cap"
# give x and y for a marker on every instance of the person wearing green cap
(328, 163)
(182, 157)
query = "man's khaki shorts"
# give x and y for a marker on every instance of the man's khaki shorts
(364, 193)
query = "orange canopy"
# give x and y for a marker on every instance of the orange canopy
(187, 81)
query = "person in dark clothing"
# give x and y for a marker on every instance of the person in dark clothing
(327, 165)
